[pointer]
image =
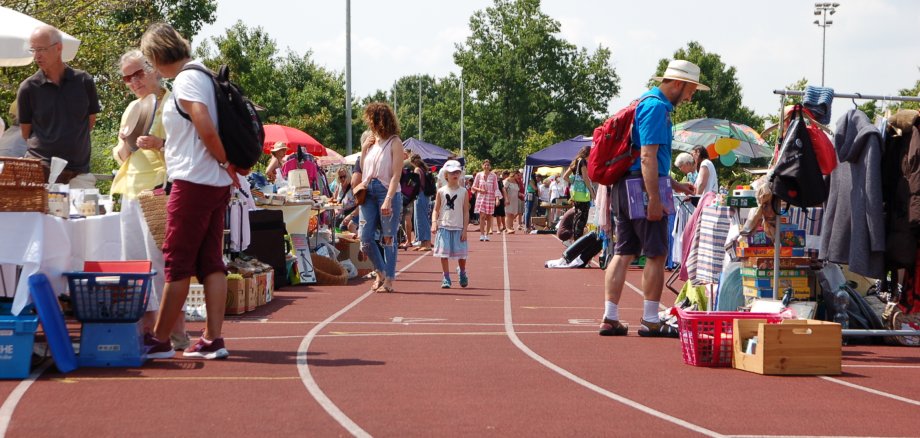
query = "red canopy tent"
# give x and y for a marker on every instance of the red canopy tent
(293, 138)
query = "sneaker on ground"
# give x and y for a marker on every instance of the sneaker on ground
(157, 349)
(207, 349)
(180, 342)
(445, 284)
(613, 328)
(658, 330)
(486, 238)
(464, 280)
(482, 237)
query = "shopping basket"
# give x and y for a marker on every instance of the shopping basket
(706, 337)
(110, 291)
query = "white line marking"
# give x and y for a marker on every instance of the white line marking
(304, 368)
(914, 367)
(871, 391)
(6, 411)
(465, 324)
(360, 334)
(509, 329)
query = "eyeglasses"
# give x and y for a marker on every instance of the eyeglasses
(34, 50)
(342, 176)
(136, 75)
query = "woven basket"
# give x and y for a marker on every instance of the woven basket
(22, 185)
(153, 204)
(328, 271)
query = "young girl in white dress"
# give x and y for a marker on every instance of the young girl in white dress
(449, 221)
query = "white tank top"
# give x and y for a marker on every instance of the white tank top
(450, 216)
(378, 163)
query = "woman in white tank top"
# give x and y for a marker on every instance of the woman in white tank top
(381, 167)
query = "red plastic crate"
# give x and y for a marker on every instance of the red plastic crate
(706, 337)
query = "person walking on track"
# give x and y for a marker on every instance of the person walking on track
(649, 235)
(485, 186)
(449, 222)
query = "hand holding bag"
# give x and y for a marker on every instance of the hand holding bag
(360, 193)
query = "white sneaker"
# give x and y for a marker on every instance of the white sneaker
(487, 238)
(482, 238)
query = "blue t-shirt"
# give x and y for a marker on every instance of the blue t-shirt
(653, 126)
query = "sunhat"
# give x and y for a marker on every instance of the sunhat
(138, 120)
(680, 70)
(451, 166)
(279, 146)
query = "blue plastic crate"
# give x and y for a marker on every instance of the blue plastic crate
(112, 345)
(109, 297)
(17, 336)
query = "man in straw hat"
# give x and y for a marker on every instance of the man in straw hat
(649, 235)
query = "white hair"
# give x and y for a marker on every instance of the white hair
(54, 35)
(684, 159)
(135, 55)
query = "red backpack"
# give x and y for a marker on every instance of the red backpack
(612, 153)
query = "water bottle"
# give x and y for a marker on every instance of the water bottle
(841, 302)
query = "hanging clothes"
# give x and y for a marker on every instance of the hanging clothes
(240, 236)
(854, 229)
(901, 241)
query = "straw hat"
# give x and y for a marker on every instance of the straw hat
(279, 146)
(139, 120)
(680, 70)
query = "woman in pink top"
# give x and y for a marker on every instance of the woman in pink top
(381, 166)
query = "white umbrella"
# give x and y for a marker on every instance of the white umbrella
(14, 39)
(353, 158)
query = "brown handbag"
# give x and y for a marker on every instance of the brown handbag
(360, 194)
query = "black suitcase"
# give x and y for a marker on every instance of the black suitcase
(585, 248)
(267, 243)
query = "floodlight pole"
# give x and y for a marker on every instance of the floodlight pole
(461, 114)
(348, 77)
(822, 10)
(420, 107)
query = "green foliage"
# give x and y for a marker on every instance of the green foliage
(106, 29)
(915, 91)
(293, 89)
(536, 141)
(724, 100)
(520, 75)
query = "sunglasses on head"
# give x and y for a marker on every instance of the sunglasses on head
(136, 75)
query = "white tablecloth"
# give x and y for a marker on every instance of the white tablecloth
(51, 245)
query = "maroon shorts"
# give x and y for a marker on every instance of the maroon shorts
(637, 236)
(194, 230)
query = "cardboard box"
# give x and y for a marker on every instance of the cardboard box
(249, 283)
(236, 297)
(794, 347)
(261, 279)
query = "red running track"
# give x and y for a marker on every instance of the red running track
(514, 354)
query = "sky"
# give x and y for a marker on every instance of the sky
(872, 45)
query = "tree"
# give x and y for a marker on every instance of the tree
(915, 91)
(106, 29)
(520, 75)
(537, 141)
(293, 89)
(724, 100)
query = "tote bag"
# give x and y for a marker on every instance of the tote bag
(579, 190)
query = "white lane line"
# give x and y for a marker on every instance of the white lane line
(365, 334)
(6, 411)
(914, 367)
(871, 391)
(310, 383)
(464, 324)
(509, 329)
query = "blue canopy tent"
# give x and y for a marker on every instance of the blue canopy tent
(559, 154)
(431, 154)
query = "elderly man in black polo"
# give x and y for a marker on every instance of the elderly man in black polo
(57, 109)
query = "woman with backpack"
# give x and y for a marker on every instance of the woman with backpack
(197, 165)
(581, 192)
(381, 166)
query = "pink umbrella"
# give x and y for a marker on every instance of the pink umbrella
(293, 138)
(332, 157)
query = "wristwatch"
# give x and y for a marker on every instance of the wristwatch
(224, 165)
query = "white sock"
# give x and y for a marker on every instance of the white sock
(650, 311)
(611, 311)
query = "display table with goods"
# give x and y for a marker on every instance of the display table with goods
(41, 243)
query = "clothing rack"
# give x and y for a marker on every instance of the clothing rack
(776, 242)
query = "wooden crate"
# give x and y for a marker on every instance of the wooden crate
(794, 347)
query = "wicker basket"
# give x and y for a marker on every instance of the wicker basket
(153, 205)
(22, 185)
(328, 271)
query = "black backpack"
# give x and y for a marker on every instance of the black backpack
(239, 126)
(409, 185)
(797, 177)
(430, 185)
